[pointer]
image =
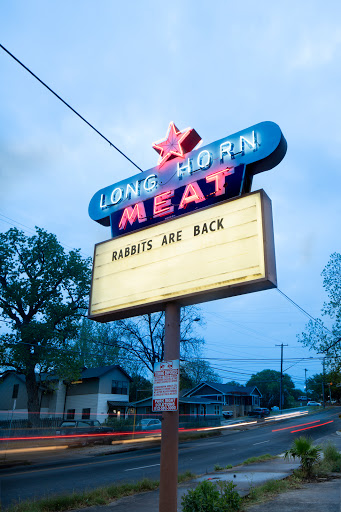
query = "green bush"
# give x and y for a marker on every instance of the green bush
(302, 448)
(211, 497)
(331, 457)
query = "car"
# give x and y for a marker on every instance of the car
(149, 424)
(81, 427)
(312, 402)
(302, 398)
(227, 414)
(259, 412)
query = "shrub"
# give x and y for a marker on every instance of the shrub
(309, 455)
(332, 458)
(211, 497)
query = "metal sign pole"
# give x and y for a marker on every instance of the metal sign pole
(170, 420)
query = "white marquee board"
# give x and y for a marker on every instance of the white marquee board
(217, 252)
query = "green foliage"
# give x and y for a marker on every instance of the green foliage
(268, 383)
(195, 371)
(43, 296)
(260, 458)
(100, 496)
(211, 497)
(331, 457)
(139, 388)
(97, 344)
(315, 335)
(218, 467)
(309, 455)
(186, 476)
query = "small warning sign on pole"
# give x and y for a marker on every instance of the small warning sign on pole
(166, 386)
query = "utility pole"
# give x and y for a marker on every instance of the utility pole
(170, 420)
(281, 382)
(305, 378)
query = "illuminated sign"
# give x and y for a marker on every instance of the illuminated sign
(216, 252)
(188, 179)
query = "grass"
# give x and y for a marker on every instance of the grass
(99, 496)
(260, 458)
(270, 489)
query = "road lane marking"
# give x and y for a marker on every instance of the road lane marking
(254, 444)
(142, 467)
(56, 468)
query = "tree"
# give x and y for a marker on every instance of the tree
(316, 335)
(43, 296)
(268, 383)
(315, 386)
(139, 388)
(195, 371)
(143, 338)
(97, 344)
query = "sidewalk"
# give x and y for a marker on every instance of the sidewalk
(312, 497)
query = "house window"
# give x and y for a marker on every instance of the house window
(216, 409)
(119, 387)
(85, 414)
(15, 391)
(70, 414)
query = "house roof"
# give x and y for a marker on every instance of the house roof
(91, 373)
(182, 400)
(112, 403)
(225, 389)
(87, 373)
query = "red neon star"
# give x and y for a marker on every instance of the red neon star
(176, 143)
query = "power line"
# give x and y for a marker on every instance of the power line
(32, 231)
(69, 106)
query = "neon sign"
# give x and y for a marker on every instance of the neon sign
(187, 179)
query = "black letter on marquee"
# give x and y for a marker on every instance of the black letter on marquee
(220, 224)
(196, 230)
(114, 254)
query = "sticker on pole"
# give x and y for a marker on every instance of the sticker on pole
(166, 386)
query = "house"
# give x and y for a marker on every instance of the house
(238, 399)
(99, 393)
(189, 408)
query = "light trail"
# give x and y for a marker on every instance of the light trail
(301, 425)
(320, 425)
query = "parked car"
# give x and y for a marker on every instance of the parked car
(312, 402)
(81, 427)
(302, 398)
(259, 412)
(227, 414)
(149, 424)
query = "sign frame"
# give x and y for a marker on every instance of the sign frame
(268, 281)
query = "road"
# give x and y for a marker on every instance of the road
(197, 456)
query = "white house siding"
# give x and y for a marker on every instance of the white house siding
(18, 414)
(80, 402)
(102, 404)
(57, 407)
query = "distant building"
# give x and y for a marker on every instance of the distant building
(189, 408)
(100, 392)
(238, 399)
